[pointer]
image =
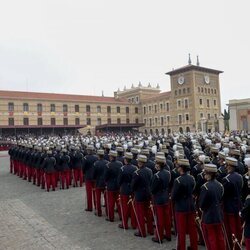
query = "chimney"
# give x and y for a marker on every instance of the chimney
(116, 95)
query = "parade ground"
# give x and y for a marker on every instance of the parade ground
(31, 218)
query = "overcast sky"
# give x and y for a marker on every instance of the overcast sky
(84, 47)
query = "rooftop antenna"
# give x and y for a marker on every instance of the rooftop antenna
(198, 62)
(189, 59)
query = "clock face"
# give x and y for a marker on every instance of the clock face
(181, 79)
(206, 79)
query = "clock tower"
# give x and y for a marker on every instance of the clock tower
(195, 98)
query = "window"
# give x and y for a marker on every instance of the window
(201, 115)
(144, 110)
(11, 106)
(184, 91)
(88, 108)
(39, 121)
(99, 121)
(109, 120)
(208, 103)
(88, 121)
(205, 90)
(149, 108)
(52, 108)
(108, 109)
(162, 121)
(137, 99)
(77, 121)
(65, 121)
(208, 91)
(175, 92)
(186, 103)
(156, 121)
(215, 91)
(39, 107)
(179, 103)
(127, 110)
(215, 103)
(212, 91)
(215, 116)
(179, 91)
(53, 121)
(65, 108)
(208, 116)
(145, 122)
(150, 122)
(161, 106)
(188, 90)
(118, 110)
(98, 109)
(118, 120)
(199, 89)
(136, 120)
(167, 106)
(187, 117)
(155, 108)
(127, 121)
(26, 121)
(180, 119)
(136, 110)
(77, 109)
(11, 122)
(25, 107)
(200, 101)
(168, 119)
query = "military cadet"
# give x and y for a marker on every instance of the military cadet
(120, 156)
(49, 170)
(124, 182)
(215, 152)
(160, 193)
(77, 167)
(245, 212)
(182, 197)
(98, 176)
(232, 184)
(240, 168)
(88, 165)
(65, 163)
(135, 152)
(212, 216)
(149, 164)
(197, 169)
(10, 152)
(111, 175)
(222, 172)
(141, 187)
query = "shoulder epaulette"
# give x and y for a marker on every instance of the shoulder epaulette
(205, 186)
(122, 168)
(136, 172)
(177, 179)
(157, 175)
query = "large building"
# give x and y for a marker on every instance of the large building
(193, 104)
(239, 111)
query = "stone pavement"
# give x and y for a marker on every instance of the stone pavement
(31, 218)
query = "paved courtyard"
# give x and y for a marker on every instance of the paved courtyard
(31, 218)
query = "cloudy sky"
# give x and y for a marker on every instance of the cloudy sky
(84, 47)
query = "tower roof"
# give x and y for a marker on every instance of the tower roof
(193, 67)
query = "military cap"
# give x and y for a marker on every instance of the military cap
(134, 151)
(183, 163)
(235, 152)
(145, 151)
(232, 161)
(214, 150)
(142, 158)
(64, 150)
(160, 154)
(90, 147)
(210, 168)
(128, 155)
(161, 159)
(119, 149)
(49, 152)
(100, 152)
(222, 155)
(113, 153)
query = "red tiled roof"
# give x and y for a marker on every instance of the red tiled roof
(160, 95)
(59, 97)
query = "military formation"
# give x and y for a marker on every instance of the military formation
(184, 184)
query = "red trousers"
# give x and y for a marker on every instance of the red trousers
(42, 178)
(213, 236)
(78, 176)
(50, 181)
(247, 243)
(111, 201)
(144, 216)
(98, 196)
(163, 220)
(38, 177)
(89, 194)
(185, 224)
(127, 212)
(65, 177)
(16, 166)
(233, 226)
(11, 166)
